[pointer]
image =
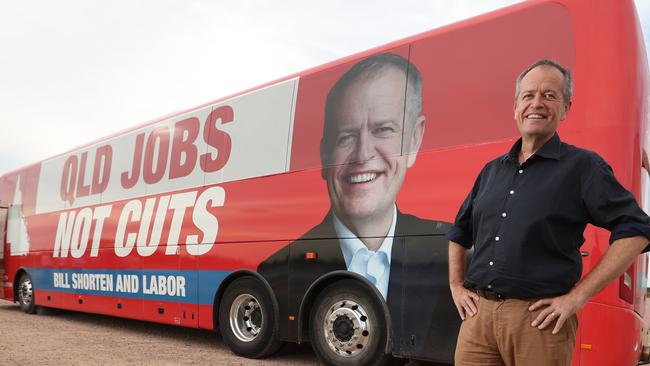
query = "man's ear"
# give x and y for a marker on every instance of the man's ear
(415, 141)
(323, 158)
(567, 107)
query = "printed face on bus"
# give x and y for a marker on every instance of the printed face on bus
(364, 165)
(540, 105)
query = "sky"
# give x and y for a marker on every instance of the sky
(74, 71)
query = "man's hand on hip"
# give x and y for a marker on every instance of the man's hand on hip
(620, 255)
(558, 309)
(464, 300)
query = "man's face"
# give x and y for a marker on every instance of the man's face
(365, 169)
(540, 106)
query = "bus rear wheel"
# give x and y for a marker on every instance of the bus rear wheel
(247, 319)
(348, 326)
(25, 294)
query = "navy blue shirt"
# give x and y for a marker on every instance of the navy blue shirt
(526, 222)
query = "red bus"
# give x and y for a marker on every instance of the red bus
(249, 214)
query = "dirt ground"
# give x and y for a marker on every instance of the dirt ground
(70, 338)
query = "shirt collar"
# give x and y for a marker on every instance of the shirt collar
(550, 150)
(351, 244)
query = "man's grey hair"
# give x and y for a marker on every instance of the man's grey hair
(567, 87)
(372, 68)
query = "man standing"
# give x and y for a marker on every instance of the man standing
(524, 218)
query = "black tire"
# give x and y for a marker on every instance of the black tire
(348, 325)
(25, 294)
(248, 320)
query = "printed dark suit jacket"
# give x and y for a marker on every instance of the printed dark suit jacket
(425, 320)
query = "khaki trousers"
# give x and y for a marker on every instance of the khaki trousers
(501, 334)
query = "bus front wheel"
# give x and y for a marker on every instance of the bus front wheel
(247, 319)
(26, 294)
(348, 326)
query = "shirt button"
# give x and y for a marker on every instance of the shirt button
(512, 192)
(503, 214)
(489, 286)
(491, 263)
(521, 171)
(496, 238)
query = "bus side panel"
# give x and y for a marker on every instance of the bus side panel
(610, 336)
(226, 258)
(643, 83)
(609, 117)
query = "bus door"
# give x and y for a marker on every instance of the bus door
(3, 243)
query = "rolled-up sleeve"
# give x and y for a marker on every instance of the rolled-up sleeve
(611, 206)
(462, 232)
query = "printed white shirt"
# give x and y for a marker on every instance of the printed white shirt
(375, 266)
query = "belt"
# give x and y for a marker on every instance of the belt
(491, 295)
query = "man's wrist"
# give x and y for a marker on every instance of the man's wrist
(580, 294)
(455, 284)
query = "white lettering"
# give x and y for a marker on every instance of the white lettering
(205, 221)
(61, 280)
(81, 228)
(164, 285)
(131, 210)
(92, 281)
(179, 203)
(127, 283)
(64, 234)
(100, 214)
(146, 249)
(73, 231)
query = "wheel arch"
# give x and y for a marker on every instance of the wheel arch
(230, 279)
(332, 277)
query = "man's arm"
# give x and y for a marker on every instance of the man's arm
(616, 260)
(463, 298)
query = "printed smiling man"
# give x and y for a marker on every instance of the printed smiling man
(371, 136)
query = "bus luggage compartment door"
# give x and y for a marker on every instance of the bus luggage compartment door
(425, 319)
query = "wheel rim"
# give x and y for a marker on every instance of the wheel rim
(347, 328)
(26, 292)
(246, 318)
